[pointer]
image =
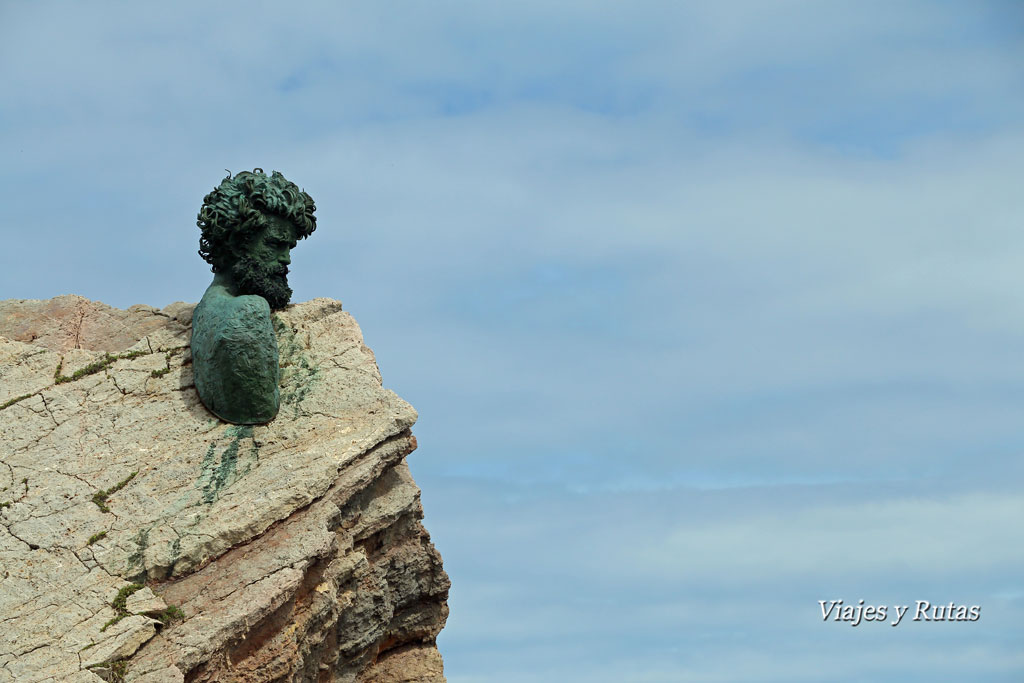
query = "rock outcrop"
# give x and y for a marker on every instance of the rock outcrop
(142, 539)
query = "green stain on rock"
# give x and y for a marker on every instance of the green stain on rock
(219, 473)
(138, 555)
(299, 375)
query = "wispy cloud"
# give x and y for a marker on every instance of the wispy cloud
(672, 286)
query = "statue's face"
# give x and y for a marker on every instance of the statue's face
(263, 270)
(272, 245)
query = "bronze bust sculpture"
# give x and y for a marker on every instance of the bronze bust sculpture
(250, 223)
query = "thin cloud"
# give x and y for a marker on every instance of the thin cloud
(672, 287)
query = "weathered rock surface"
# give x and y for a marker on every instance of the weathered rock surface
(142, 539)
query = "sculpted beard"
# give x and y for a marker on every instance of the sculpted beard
(267, 280)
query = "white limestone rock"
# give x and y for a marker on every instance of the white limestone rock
(292, 549)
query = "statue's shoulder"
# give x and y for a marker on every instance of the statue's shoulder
(219, 307)
(235, 358)
(226, 324)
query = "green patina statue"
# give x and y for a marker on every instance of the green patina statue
(249, 224)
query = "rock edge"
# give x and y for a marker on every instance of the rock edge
(143, 539)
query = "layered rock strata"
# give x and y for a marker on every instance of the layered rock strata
(142, 539)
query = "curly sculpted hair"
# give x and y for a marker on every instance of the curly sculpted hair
(237, 208)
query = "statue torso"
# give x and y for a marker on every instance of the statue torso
(235, 357)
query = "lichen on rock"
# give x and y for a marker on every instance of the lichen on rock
(292, 551)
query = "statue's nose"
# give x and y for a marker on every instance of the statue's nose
(285, 259)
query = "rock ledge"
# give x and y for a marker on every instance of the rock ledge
(142, 539)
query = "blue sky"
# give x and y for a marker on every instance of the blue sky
(710, 310)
